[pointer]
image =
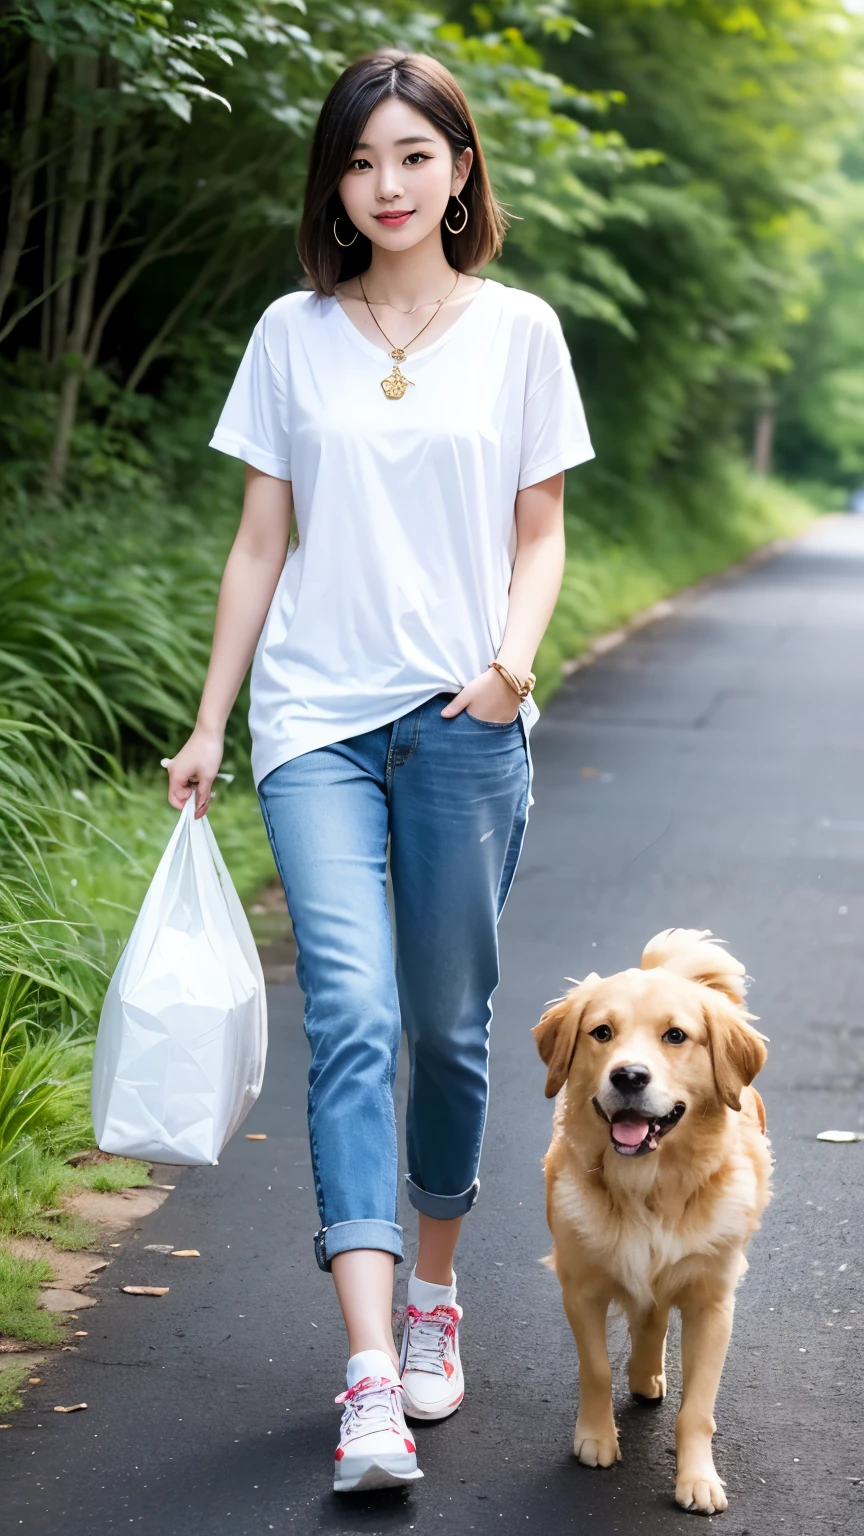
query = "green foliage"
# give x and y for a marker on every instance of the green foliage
(12, 1377)
(119, 1173)
(35, 1183)
(746, 108)
(667, 165)
(41, 1075)
(21, 1317)
(821, 401)
(32, 1184)
(92, 661)
(152, 46)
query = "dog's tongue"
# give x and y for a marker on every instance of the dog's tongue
(629, 1133)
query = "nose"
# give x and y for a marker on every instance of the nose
(389, 184)
(630, 1079)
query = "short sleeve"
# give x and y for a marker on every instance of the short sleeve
(254, 424)
(554, 429)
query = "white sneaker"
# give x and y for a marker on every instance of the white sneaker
(375, 1449)
(430, 1366)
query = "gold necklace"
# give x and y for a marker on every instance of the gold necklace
(395, 384)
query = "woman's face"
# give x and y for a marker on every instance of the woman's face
(401, 177)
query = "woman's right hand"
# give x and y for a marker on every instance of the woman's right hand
(193, 770)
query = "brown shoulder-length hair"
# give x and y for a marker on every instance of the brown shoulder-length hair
(427, 86)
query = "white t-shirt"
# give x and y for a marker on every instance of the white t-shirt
(396, 587)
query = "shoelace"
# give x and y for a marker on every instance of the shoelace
(369, 1407)
(429, 1334)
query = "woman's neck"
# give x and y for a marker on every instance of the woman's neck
(405, 279)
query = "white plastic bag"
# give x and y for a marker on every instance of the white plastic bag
(183, 1034)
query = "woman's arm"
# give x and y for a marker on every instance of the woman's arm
(534, 587)
(251, 574)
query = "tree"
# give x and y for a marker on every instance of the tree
(746, 106)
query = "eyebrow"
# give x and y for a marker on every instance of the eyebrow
(417, 139)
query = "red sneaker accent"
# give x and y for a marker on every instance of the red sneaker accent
(339, 1453)
(449, 1368)
(409, 1446)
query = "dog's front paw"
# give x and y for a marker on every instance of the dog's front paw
(596, 1448)
(652, 1389)
(702, 1494)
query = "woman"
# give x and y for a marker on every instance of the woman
(415, 422)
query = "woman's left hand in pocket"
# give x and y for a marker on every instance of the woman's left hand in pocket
(486, 697)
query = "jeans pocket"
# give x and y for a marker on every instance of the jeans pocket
(492, 725)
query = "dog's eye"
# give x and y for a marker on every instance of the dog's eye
(602, 1032)
(674, 1037)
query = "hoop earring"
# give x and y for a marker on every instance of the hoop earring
(344, 243)
(464, 225)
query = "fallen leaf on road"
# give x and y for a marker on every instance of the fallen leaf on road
(73, 1408)
(34, 1381)
(162, 1186)
(80, 1333)
(69, 1349)
(840, 1136)
(185, 1253)
(255, 1136)
(146, 1290)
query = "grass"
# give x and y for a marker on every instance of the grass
(21, 1317)
(120, 1173)
(12, 1376)
(42, 1077)
(35, 1183)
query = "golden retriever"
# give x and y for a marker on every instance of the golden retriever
(656, 1179)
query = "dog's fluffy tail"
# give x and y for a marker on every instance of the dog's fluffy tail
(696, 954)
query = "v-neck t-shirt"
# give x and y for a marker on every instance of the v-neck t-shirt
(396, 584)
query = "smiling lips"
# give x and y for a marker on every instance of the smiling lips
(394, 220)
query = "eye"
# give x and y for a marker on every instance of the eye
(603, 1032)
(674, 1036)
(416, 158)
(360, 165)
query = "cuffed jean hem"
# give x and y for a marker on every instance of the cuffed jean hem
(345, 1235)
(442, 1207)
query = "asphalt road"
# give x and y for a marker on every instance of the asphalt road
(708, 773)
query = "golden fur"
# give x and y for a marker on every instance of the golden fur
(667, 1228)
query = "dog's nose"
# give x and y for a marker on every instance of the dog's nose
(630, 1079)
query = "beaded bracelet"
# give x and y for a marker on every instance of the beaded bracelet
(523, 689)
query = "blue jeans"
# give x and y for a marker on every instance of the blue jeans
(452, 797)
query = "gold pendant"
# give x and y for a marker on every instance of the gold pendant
(395, 385)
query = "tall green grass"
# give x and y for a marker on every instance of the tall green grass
(102, 652)
(41, 1075)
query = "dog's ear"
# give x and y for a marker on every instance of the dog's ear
(737, 1051)
(696, 954)
(556, 1035)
